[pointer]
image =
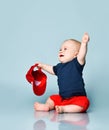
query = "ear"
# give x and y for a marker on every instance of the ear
(76, 53)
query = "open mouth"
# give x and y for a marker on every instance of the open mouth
(61, 55)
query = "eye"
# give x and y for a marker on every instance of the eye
(65, 48)
(60, 50)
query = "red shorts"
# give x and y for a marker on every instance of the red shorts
(81, 101)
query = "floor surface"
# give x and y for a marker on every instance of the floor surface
(32, 120)
(17, 112)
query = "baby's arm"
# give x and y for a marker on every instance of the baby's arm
(83, 49)
(46, 67)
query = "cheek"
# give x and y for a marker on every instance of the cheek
(70, 55)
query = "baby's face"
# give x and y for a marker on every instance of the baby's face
(67, 52)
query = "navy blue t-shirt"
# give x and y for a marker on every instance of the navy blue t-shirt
(70, 79)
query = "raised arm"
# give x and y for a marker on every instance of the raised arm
(46, 67)
(83, 49)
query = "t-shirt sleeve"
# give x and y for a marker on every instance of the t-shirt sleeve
(55, 68)
(79, 65)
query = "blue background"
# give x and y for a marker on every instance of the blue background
(32, 31)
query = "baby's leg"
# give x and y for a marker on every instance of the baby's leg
(68, 108)
(49, 105)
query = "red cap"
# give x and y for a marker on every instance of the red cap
(38, 78)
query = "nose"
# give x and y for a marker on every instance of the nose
(61, 50)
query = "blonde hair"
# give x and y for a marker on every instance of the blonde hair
(76, 43)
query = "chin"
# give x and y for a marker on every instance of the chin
(63, 61)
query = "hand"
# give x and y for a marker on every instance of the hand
(38, 65)
(85, 38)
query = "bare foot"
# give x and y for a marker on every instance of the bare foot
(85, 38)
(41, 107)
(59, 109)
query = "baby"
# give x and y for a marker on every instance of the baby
(72, 96)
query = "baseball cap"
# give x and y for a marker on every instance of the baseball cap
(38, 78)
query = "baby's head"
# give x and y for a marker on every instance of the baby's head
(69, 50)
